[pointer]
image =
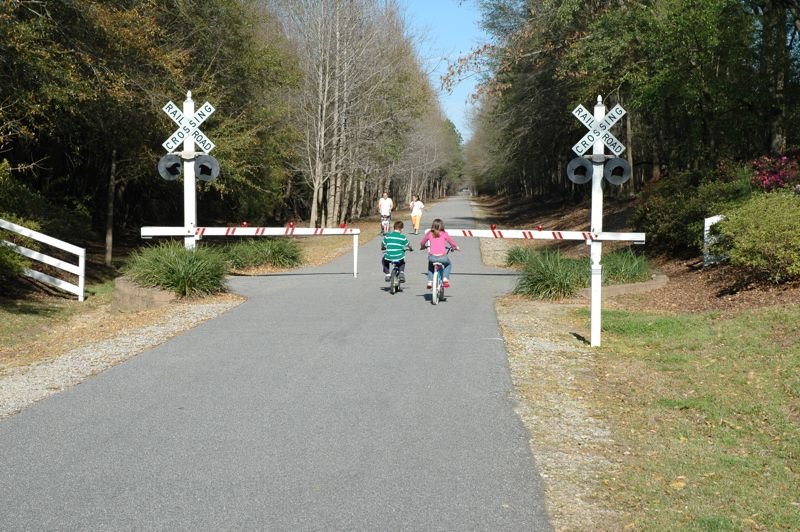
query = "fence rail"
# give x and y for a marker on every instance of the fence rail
(77, 269)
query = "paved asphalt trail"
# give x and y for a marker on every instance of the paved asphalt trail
(321, 403)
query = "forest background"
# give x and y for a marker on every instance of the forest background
(322, 104)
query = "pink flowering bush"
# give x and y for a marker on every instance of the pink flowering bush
(772, 173)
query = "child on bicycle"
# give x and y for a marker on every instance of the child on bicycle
(395, 245)
(437, 241)
(385, 208)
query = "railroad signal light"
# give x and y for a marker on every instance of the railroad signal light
(169, 167)
(617, 171)
(579, 171)
(206, 168)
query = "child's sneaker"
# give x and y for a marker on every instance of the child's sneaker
(402, 277)
(446, 283)
(386, 277)
(430, 284)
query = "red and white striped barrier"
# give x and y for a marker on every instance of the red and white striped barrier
(539, 234)
(290, 230)
(276, 231)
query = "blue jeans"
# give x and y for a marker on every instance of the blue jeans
(387, 265)
(445, 260)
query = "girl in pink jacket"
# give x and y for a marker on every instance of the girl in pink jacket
(437, 241)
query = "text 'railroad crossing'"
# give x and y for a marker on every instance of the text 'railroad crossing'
(598, 130)
(188, 128)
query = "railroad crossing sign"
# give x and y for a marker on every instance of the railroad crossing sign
(189, 134)
(598, 130)
(188, 128)
(617, 171)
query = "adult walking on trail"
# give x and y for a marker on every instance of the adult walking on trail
(416, 207)
(385, 208)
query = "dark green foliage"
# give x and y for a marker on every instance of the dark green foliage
(282, 253)
(88, 79)
(11, 262)
(762, 237)
(170, 266)
(672, 210)
(71, 223)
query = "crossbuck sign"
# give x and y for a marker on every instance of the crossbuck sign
(188, 128)
(598, 130)
(189, 134)
(599, 138)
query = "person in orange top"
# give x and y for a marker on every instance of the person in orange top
(416, 207)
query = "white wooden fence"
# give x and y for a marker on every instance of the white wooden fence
(79, 269)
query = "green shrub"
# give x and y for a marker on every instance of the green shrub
(549, 275)
(12, 263)
(172, 267)
(672, 210)
(281, 252)
(762, 237)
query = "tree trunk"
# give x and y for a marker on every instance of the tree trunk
(775, 62)
(112, 187)
(629, 135)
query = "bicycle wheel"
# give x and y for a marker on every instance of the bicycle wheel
(394, 281)
(435, 287)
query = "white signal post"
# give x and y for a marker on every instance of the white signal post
(596, 225)
(189, 133)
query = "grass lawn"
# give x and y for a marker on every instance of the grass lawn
(26, 320)
(707, 407)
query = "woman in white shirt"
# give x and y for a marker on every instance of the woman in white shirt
(416, 212)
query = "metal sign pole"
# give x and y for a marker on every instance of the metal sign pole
(189, 192)
(596, 247)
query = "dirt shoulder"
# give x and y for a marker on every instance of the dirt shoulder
(552, 371)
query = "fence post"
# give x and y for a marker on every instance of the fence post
(355, 255)
(82, 275)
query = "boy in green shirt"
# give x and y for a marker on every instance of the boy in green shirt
(395, 245)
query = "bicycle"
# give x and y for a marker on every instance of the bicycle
(437, 285)
(396, 277)
(385, 221)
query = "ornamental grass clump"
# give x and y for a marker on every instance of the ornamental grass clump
(185, 272)
(549, 275)
(625, 266)
(518, 256)
(281, 253)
